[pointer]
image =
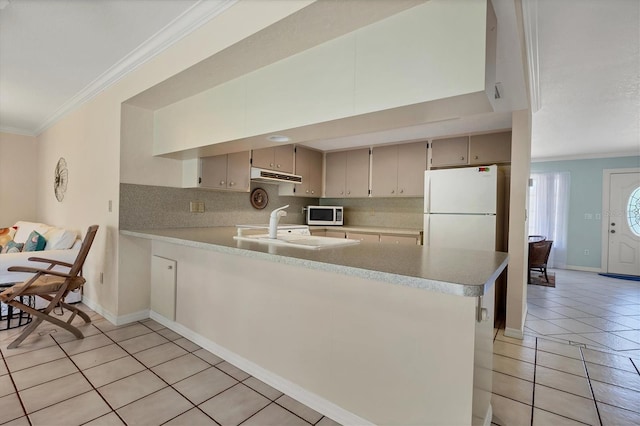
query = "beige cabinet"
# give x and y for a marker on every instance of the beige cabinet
(163, 287)
(228, 172)
(334, 234)
(400, 240)
(398, 170)
(364, 238)
(491, 148)
(279, 158)
(347, 174)
(450, 152)
(309, 166)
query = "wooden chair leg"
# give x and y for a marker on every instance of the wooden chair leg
(545, 275)
(43, 315)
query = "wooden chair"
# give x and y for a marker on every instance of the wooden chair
(51, 285)
(539, 256)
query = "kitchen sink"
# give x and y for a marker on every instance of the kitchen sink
(293, 236)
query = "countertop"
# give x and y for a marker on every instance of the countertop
(451, 271)
(371, 230)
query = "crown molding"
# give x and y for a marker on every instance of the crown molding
(586, 156)
(16, 131)
(192, 19)
(530, 17)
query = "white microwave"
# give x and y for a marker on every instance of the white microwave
(324, 215)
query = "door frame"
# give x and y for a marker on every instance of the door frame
(606, 184)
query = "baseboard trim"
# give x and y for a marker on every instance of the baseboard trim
(517, 333)
(112, 318)
(582, 268)
(298, 393)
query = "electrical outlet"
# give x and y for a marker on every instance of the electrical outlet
(598, 216)
(586, 252)
(196, 206)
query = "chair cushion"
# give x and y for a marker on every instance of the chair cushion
(35, 242)
(46, 284)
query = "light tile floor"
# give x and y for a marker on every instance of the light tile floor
(138, 374)
(143, 373)
(579, 362)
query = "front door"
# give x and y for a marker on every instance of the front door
(624, 224)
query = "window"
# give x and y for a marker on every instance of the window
(549, 212)
(633, 211)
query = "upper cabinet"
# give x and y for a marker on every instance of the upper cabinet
(471, 150)
(398, 170)
(450, 152)
(309, 166)
(229, 172)
(491, 148)
(347, 174)
(278, 158)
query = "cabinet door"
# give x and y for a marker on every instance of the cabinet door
(364, 238)
(213, 172)
(283, 158)
(263, 158)
(412, 162)
(450, 151)
(399, 239)
(238, 171)
(384, 171)
(163, 287)
(357, 173)
(309, 166)
(491, 148)
(336, 166)
(334, 234)
(315, 173)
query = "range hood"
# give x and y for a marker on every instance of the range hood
(272, 176)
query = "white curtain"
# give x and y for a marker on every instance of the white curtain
(549, 212)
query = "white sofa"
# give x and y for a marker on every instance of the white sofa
(62, 244)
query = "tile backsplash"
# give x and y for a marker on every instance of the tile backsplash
(154, 207)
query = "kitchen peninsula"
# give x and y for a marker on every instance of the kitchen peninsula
(371, 333)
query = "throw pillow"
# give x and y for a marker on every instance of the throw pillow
(12, 247)
(35, 242)
(6, 235)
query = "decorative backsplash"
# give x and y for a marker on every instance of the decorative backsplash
(395, 212)
(154, 207)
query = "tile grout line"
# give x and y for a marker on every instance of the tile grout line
(24, 410)
(89, 381)
(593, 395)
(533, 394)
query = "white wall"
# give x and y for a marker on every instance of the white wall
(18, 172)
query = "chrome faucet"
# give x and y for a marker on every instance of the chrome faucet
(274, 219)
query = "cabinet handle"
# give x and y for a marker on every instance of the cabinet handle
(402, 191)
(278, 165)
(348, 192)
(313, 192)
(307, 191)
(476, 157)
(341, 192)
(270, 164)
(170, 267)
(232, 183)
(462, 158)
(393, 191)
(221, 182)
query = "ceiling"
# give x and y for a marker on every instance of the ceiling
(56, 54)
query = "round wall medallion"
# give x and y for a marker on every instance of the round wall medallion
(259, 198)
(60, 179)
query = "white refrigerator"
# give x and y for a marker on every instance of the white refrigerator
(463, 208)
